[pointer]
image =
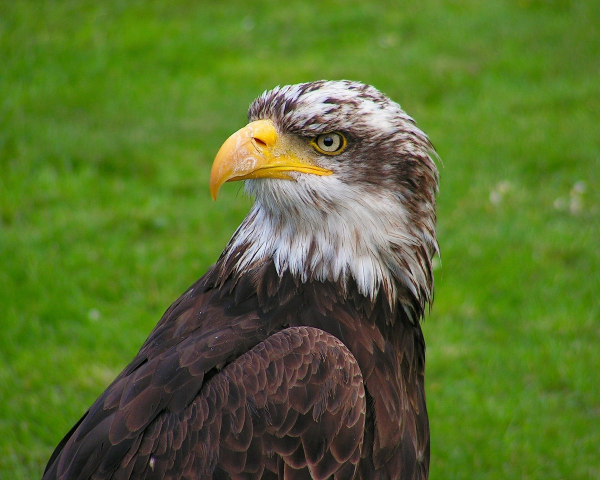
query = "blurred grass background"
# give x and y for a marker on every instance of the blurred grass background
(111, 113)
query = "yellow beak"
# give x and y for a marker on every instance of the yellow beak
(253, 152)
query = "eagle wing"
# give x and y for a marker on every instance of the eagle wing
(221, 398)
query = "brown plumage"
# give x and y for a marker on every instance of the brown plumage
(299, 354)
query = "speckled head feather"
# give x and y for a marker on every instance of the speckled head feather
(372, 220)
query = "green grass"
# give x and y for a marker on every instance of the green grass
(111, 113)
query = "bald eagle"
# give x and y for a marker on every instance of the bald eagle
(299, 354)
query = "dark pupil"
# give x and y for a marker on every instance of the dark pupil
(328, 141)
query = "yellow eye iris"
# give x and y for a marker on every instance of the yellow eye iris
(329, 143)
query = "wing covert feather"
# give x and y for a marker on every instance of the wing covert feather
(291, 407)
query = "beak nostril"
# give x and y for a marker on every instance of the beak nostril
(259, 141)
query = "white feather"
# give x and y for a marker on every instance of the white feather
(353, 231)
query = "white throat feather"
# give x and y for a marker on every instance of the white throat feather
(317, 237)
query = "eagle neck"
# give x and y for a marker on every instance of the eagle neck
(328, 246)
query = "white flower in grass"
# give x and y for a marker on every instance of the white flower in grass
(574, 204)
(499, 192)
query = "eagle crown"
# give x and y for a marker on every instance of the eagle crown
(372, 220)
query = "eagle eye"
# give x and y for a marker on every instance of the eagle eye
(329, 143)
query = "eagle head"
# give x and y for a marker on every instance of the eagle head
(344, 185)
